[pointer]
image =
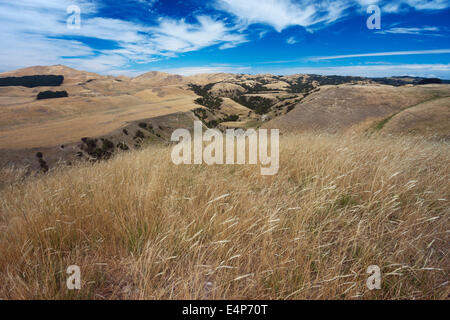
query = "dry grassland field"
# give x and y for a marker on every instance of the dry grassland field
(140, 227)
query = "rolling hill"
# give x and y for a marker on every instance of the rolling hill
(346, 107)
(115, 111)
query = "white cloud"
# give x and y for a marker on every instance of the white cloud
(382, 54)
(103, 63)
(188, 71)
(365, 3)
(178, 36)
(281, 14)
(395, 6)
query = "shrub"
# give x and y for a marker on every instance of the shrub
(139, 134)
(33, 81)
(52, 95)
(429, 81)
(212, 123)
(210, 102)
(107, 145)
(231, 118)
(43, 165)
(207, 100)
(290, 108)
(200, 113)
(122, 146)
(260, 105)
(90, 143)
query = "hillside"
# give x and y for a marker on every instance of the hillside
(429, 119)
(343, 107)
(96, 107)
(140, 227)
(114, 111)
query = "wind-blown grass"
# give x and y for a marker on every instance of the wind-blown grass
(142, 228)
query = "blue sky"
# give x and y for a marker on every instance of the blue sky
(130, 37)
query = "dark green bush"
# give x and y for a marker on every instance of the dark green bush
(52, 95)
(139, 134)
(231, 118)
(107, 145)
(212, 123)
(122, 146)
(33, 81)
(210, 102)
(260, 105)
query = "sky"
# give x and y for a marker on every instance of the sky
(131, 37)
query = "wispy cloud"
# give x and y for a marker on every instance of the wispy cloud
(281, 14)
(433, 31)
(382, 54)
(373, 70)
(395, 6)
(188, 71)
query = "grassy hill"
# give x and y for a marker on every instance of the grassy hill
(430, 119)
(347, 107)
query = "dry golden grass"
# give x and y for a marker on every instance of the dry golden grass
(430, 119)
(142, 228)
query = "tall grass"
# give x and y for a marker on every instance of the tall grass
(140, 227)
